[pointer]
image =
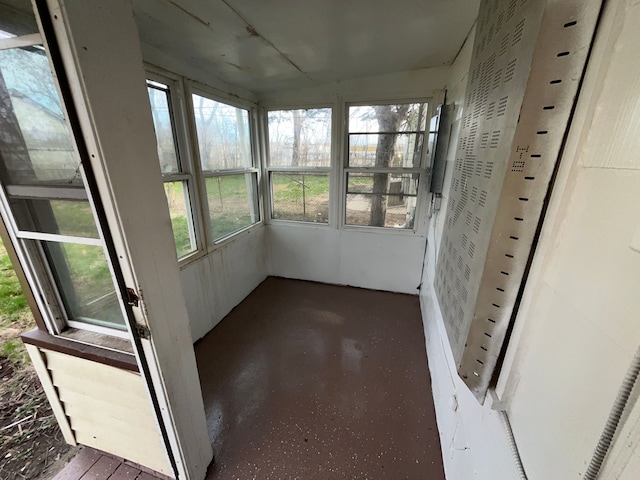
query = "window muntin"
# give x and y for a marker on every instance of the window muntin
(45, 200)
(228, 168)
(398, 191)
(176, 177)
(383, 164)
(300, 164)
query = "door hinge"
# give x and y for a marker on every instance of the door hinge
(143, 332)
(132, 297)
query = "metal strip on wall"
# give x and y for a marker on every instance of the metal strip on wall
(526, 67)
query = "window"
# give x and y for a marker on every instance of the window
(47, 208)
(174, 165)
(384, 164)
(228, 168)
(299, 164)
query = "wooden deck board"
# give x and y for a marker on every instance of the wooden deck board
(79, 465)
(91, 464)
(125, 472)
(102, 469)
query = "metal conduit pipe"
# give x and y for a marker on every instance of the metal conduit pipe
(512, 445)
(610, 428)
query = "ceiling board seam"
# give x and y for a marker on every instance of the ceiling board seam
(195, 17)
(466, 39)
(252, 31)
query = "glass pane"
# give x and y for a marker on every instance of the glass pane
(223, 135)
(406, 117)
(163, 123)
(300, 138)
(16, 18)
(34, 138)
(181, 222)
(431, 145)
(300, 196)
(64, 217)
(85, 283)
(381, 199)
(385, 150)
(232, 203)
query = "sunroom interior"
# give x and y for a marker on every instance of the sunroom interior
(256, 233)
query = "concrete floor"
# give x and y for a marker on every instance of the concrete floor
(312, 381)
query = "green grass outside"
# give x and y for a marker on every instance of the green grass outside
(15, 315)
(74, 218)
(228, 204)
(301, 197)
(287, 187)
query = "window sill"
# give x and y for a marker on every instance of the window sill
(72, 343)
(282, 221)
(224, 242)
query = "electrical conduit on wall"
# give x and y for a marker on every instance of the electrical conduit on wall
(613, 421)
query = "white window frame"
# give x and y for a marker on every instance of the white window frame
(419, 225)
(269, 170)
(188, 173)
(195, 88)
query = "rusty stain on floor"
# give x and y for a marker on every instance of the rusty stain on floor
(313, 381)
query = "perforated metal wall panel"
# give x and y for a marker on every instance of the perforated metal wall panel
(528, 59)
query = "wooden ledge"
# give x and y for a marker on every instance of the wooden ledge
(43, 339)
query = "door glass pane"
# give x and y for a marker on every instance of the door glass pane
(162, 121)
(85, 283)
(300, 138)
(232, 204)
(64, 217)
(223, 135)
(34, 138)
(181, 222)
(16, 18)
(300, 196)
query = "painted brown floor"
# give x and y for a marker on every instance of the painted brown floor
(312, 381)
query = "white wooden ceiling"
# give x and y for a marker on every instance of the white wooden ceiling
(271, 45)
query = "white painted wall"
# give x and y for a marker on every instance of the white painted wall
(381, 261)
(426, 82)
(473, 438)
(216, 283)
(578, 326)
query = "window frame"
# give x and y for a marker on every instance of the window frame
(192, 88)
(30, 252)
(419, 224)
(269, 169)
(188, 172)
